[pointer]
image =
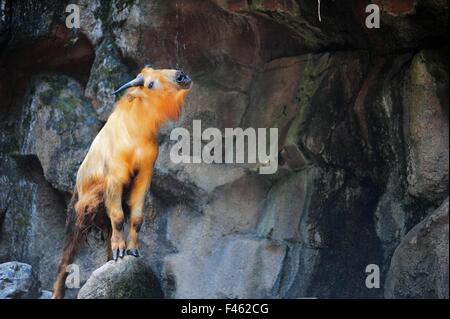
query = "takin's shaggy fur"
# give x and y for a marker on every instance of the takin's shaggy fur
(119, 166)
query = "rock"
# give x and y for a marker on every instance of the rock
(396, 210)
(45, 294)
(426, 125)
(58, 122)
(214, 106)
(107, 74)
(285, 209)
(196, 235)
(230, 270)
(409, 23)
(373, 129)
(393, 219)
(311, 211)
(293, 91)
(33, 20)
(236, 206)
(128, 278)
(59, 125)
(42, 42)
(91, 23)
(281, 76)
(199, 56)
(17, 281)
(419, 266)
(300, 268)
(203, 177)
(4, 25)
(34, 220)
(276, 28)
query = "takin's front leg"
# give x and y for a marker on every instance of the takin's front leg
(136, 203)
(113, 203)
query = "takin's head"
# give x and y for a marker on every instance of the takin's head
(164, 89)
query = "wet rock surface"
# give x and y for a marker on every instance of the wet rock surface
(367, 109)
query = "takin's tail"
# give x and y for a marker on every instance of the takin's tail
(83, 215)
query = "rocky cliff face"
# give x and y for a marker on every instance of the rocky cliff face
(368, 109)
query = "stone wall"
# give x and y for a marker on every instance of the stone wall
(367, 108)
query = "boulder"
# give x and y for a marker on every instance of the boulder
(419, 266)
(426, 126)
(34, 220)
(45, 294)
(58, 126)
(397, 211)
(127, 278)
(107, 73)
(91, 14)
(18, 281)
(311, 211)
(230, 271)
(202, 239)
(286, 206)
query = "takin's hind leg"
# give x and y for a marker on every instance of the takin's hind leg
(113, 203)
(136, 219)
(136, 203)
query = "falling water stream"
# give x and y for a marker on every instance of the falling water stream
(318, 10)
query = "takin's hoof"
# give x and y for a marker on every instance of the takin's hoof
(133, 252)
(118, 253)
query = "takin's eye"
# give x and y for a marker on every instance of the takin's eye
(151, 84)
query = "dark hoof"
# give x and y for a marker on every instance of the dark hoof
(118, 253)
(133, 252)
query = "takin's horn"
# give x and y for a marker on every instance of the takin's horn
(138, 81)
